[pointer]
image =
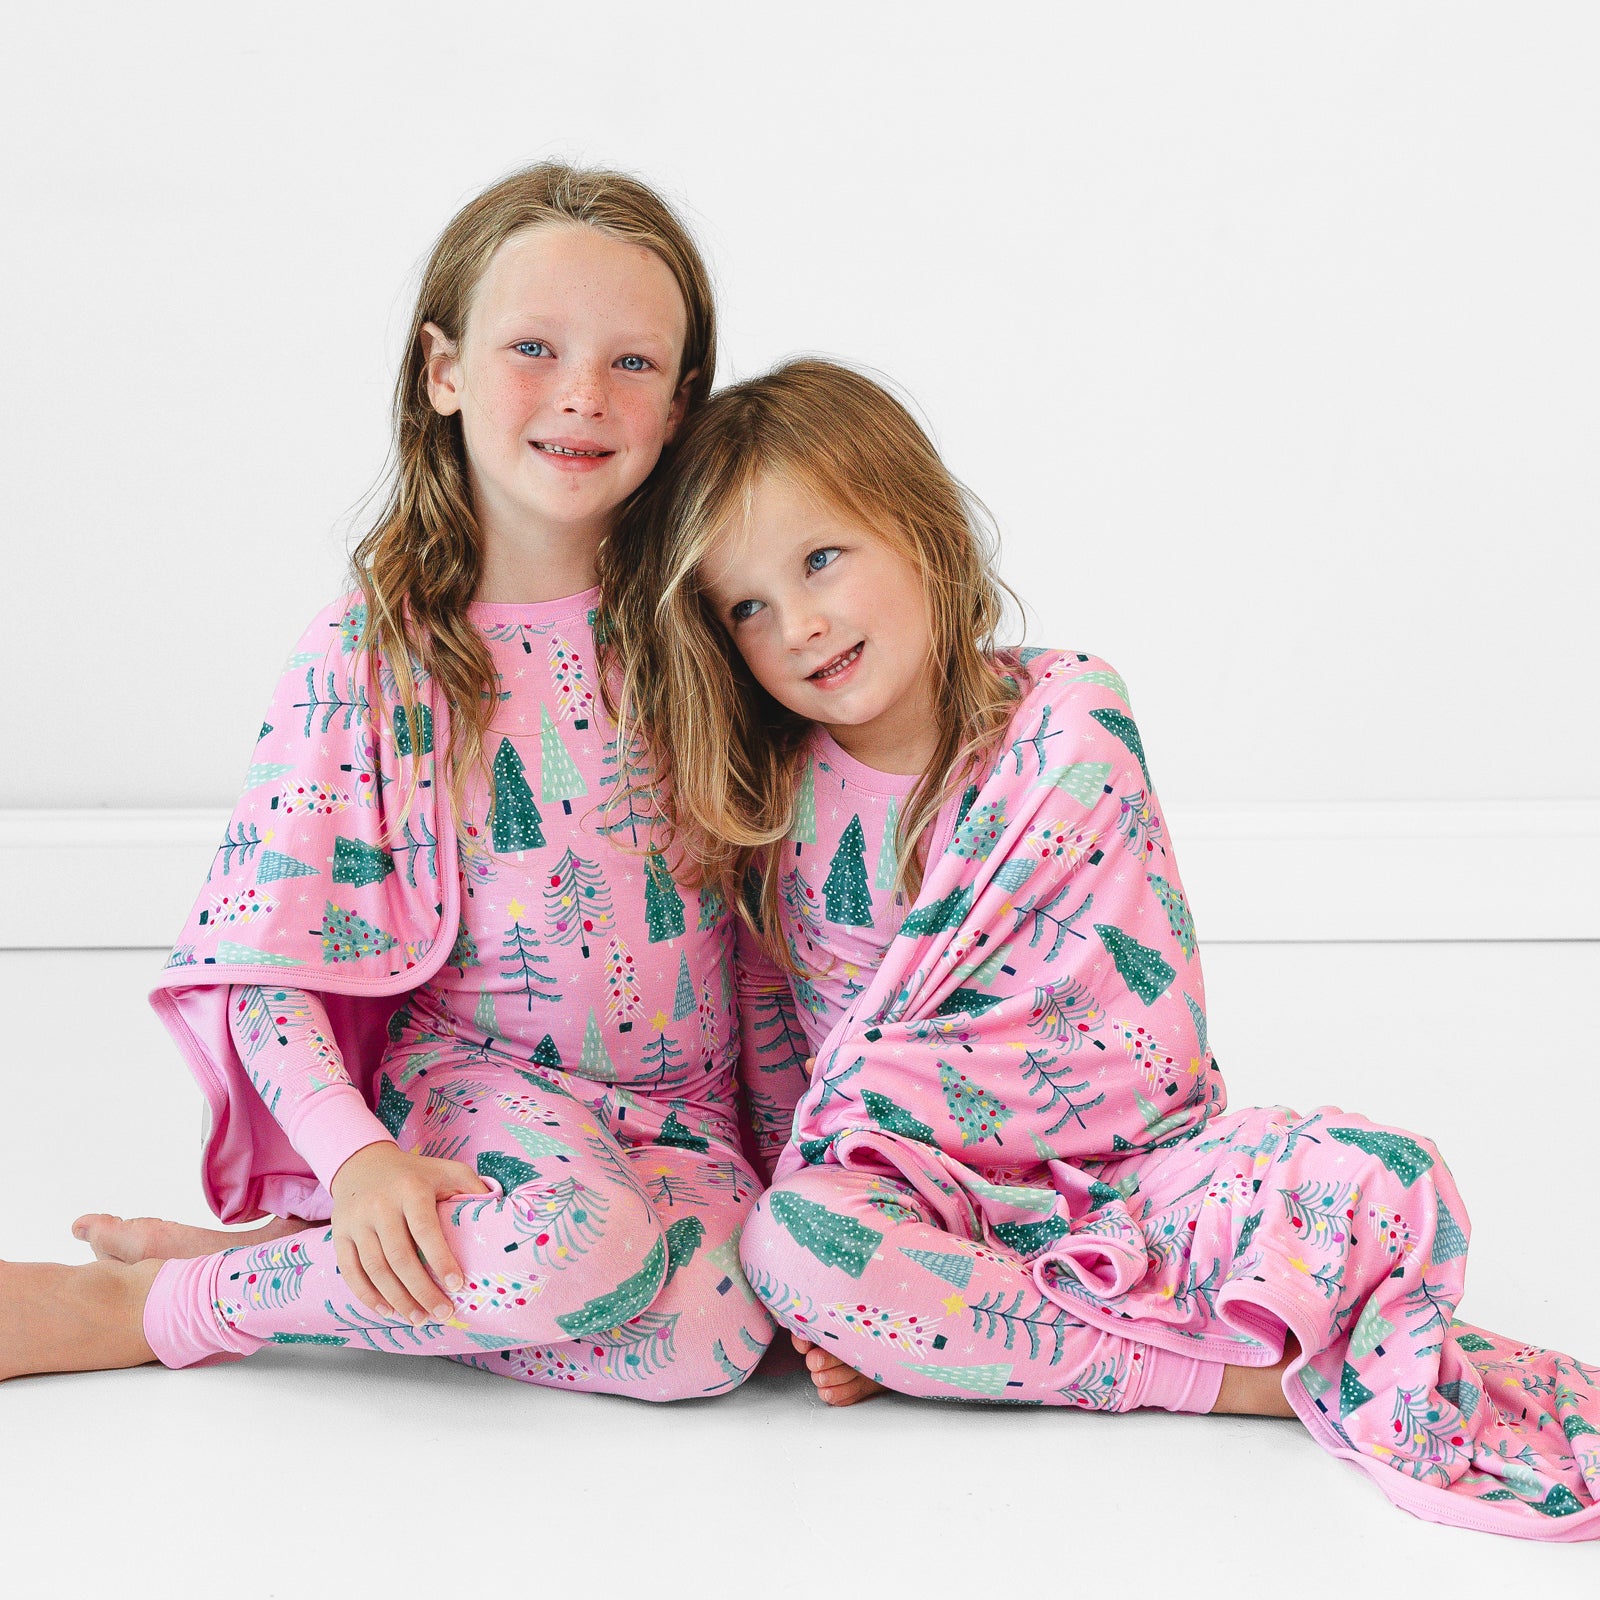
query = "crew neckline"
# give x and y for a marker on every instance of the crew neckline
(571, 605)
(858, 772)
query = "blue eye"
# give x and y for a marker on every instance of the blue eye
(641, 364)
(744, 610)
(531, 347)
(818, 559)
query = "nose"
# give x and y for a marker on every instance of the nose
(803, 626)
(585, 394)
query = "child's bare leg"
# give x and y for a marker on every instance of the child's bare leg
(836, 1383)
(130, 1239)
(73, 1319)
(1256, 1391)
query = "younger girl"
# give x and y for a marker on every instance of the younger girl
(1013, 1175)
(439, 993)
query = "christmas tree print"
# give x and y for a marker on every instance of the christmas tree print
(360, 864)
(683, 1239)
(1140, 829)
(483, 1017)
(799, 900)
(594, 1060)
(574, 698)
(264, 772)
(1404, 1157)
(240, 842)
(683, 1000)
(1353, 1393)
(663, 905)
(674, 1133)
(889, 848)
(834, 1239)
(1199, 1018)
(974, 1110)
(310, 799)
(1141, 968)
(985, 1380)
(975, 839)
(243, 906)
(803, 830)
(940, 916)
(1322, 1214)
(1424, 1438)
(271, 1274)
(577, 901)
(510, 1172)
(1123, 727)
(846, 895)
(628, 1299)
(464, 952)
(1449, 1238)
(559, 778)
(1159, 1065)
(274, 866)
(712, 909)
(1062, 841)
(708, 1020)
(1370, 1331)
(623, 1006)
(895, 1118)
(393, 1107)
(631, 804)
(403, 742)
(952, 1268)
(1085, 781)
(1065, 1012)
(545, 1053)
(1029, 1238)
(1177, 910)
(519, 960)
(516, 819)
(661, 1058)
(347, 937)
(907, 1331)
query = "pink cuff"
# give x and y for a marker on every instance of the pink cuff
(181, 1323)
(1175, 1383)
(331, 1126)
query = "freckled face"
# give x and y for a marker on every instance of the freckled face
(565, 379)
(831, 621)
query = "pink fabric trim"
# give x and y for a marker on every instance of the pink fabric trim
(180, 1325)
(1177, 1383)
(331, 1127)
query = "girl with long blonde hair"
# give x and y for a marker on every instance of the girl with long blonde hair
(1011, 1174)
(460, 1031)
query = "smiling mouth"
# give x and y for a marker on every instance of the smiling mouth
(840, 663)
(563, 450)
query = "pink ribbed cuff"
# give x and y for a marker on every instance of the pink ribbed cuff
(1175, 1383)
(181, 1324)
(331, 1126)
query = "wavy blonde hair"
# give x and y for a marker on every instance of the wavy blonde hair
(727, 757)
(419, 564)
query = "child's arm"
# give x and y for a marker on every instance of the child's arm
(774, 1058)
(385, 1217)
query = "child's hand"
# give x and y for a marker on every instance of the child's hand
(386, 1225)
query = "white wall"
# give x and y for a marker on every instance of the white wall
(1268, 332)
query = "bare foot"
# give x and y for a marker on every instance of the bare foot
(1257, 1391)
(838, 1384)
(73, 1319)
(154, 1239)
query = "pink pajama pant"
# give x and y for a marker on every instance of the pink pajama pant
(594, 1264)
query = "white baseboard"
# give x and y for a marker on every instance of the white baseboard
(1359, 871)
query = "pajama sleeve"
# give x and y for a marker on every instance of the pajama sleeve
(286, 1042)
(772, 1048)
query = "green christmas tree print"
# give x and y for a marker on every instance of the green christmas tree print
(1116, 722)
(661, 1058)
(516, 818)
(940, 916)
(953, 1269)
(402, 730)
(663, 905)
(483, 1017)
(274, 866)
(464, 952)
(1141, 968)
(271, 1274)
(1085, 781)
(545, 1053)
(674, 1133)
(1370, 1331)
(577, 901)
(393, 1107)
(628, 1299)
(1404, 1157)
(988, 1380)
(975, 1111)
(510, 1172)
(559, 778)
(889, 849)
(360, 864)
(894, 1118)
(683, 999)
(1177, 910)
(520, 961)
(1449, 1238)
(803, 830)
(712, 908)
(1353, 1393)
(594, 1060)
(683, 1239)
(979, 832)
(347, 937)
(834, 1239)
(1029, 1238)
(847, 899)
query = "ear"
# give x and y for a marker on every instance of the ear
(441, 369)
(680, 405)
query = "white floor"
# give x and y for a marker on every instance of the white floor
(333, 1473)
